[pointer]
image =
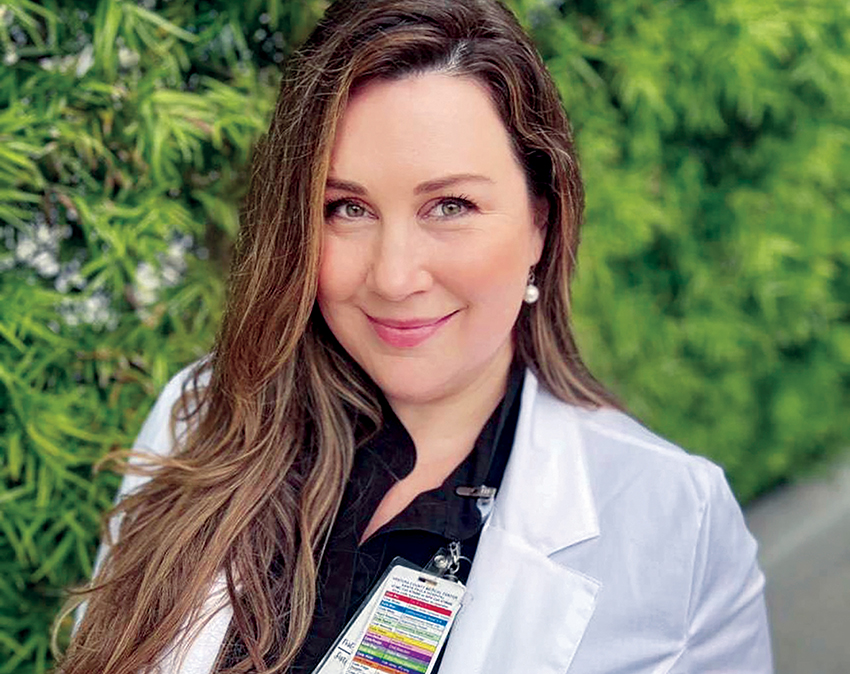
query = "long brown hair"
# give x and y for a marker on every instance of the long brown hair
(257, 481)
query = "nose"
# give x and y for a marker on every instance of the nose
(399, 267)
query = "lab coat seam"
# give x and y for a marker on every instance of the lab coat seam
(626, 438)
(700, 472)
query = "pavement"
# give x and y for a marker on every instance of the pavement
(803, 532)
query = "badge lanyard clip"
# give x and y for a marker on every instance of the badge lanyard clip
(446, 562)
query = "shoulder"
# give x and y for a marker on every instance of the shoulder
(670, 540)
(654, 500)
(674, 518)
(159, 435)
(639, 482)
(618, 450)
(617, 447)
(156, 435)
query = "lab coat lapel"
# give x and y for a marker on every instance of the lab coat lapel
(525, 611)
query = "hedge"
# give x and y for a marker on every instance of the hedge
(713, 285)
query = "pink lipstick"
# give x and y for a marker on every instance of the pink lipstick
(407, 333)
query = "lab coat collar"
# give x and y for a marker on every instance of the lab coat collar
(545, 495)
(526, 610)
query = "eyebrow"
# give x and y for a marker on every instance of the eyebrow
(345, 186)
(421, 188)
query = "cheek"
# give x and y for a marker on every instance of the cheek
(493, 282)
(340, 276)
(497, 268)
(340, 272)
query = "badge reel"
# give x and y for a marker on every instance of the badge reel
(402, 625)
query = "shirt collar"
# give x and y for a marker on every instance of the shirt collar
(389, 455)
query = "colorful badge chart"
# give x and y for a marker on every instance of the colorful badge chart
(409, 625)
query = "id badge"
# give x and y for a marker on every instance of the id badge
(401, 628)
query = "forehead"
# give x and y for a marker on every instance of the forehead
(432, 123)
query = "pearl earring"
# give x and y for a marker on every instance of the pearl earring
(532, 292)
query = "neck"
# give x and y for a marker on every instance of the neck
(444, 430)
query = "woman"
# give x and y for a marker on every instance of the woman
(396, 348)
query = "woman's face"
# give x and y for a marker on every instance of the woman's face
(429, 236)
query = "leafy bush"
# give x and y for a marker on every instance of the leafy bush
(713, 283)
(124, 137)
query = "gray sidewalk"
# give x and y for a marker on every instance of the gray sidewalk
(804, 536)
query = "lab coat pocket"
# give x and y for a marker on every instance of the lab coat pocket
(526, 612)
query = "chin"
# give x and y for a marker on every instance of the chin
(429, 377)
(412, 388)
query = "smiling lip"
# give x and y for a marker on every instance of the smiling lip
(407, 333)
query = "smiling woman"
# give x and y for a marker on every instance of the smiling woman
(396, 376)
(429, 244)
(419, 285)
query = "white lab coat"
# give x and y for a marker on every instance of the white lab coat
(607, 551)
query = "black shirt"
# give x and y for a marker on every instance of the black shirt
(430, 522)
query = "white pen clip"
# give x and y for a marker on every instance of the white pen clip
(476, 492)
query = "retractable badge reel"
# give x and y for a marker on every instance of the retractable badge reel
(403, 624)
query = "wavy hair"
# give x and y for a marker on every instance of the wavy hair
(256, 483)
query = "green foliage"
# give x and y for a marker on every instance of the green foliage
(124, 137)
(713, 283)
(712, 292)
